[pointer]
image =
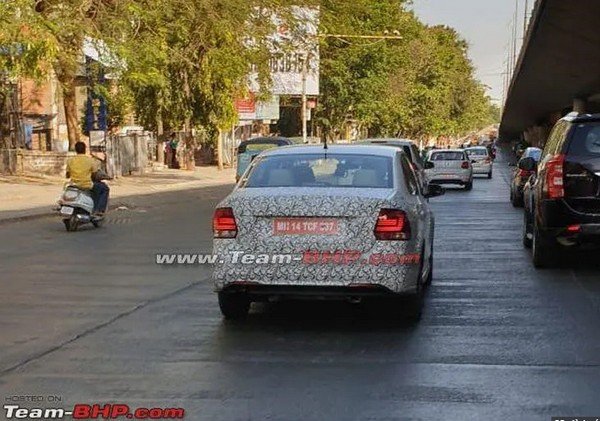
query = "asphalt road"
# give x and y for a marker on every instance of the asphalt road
(90, 318)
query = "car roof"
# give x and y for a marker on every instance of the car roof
(365, 149)
(388, 141)
(581, 118)
(260, 140)
(445, 150)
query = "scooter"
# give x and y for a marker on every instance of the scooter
(76, 207)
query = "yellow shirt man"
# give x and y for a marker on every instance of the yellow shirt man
(80, 169)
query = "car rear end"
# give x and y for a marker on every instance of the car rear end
(480, 160)
(570, 208)
(354, 238)
(449, 167)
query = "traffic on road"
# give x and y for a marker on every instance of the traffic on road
(483, 341)
(300, 210)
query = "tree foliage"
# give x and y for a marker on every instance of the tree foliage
(419, 86)
(182, 63)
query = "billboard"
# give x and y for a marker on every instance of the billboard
(290, 47)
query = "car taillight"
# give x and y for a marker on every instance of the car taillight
(392, 225)
(555, 177)
(465, 165)
(524, 173)
(224, 225)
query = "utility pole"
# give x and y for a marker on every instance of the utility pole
(220, 150)
(305, 67)
(515, 35)
(525, 19)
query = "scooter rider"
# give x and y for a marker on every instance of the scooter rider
(81, 169)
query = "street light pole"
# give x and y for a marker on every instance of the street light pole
(305, 69)
(304, 101)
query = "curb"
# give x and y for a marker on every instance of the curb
(120, 201)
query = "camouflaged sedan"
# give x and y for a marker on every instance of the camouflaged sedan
(318, 222)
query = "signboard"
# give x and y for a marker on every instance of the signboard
(290, 49)
(268, 110)
(250, 109)
(246, 108)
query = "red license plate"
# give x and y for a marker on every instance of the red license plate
(305, 226)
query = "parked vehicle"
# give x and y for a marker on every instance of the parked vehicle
(76, 207)
(410, 149)
(354, 218)
(563, 208)
(520, 177)
(481, 160)
(249, 149)
(449, 166)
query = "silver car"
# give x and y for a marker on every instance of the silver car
(481, 160)
(344, 222)
(449, 166)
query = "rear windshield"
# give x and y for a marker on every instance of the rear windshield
(319, 170)
(533, 153)
(586, 140)
(477, 152)
(256, 147)
(447, 156)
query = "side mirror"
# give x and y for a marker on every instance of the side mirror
(527, 164)
(428, 165)
(434, 190)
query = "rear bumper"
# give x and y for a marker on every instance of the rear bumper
(482, 169)
(257, 292)
(460, 181)
(461, 178)
(557, 217)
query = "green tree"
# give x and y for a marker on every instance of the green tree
(48, 36)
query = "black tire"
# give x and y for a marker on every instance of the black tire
(515, 199)
(490, 175)
(412, 305)
(429, 279)
(97, 223)
(527, 242)
(234, 306)
(543, 250)
(71, 224)
(469, 186)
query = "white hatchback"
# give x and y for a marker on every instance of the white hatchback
(481, 160)
(449, 166)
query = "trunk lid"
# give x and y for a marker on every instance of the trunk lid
(277, 220)
(582, 183)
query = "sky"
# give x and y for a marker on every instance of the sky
(486, 25)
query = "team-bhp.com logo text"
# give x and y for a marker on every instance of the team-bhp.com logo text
(93, 412)
(308, 257)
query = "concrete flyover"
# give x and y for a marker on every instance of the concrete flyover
(558, 70)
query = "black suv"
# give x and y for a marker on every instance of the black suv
(562, 206)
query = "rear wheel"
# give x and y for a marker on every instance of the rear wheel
(234, 306)
(469, 186)
(527, 232)
(543, 250)
(71, 223)
(429, 279)
(412, 305)
(490, 175)
(516, 199)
